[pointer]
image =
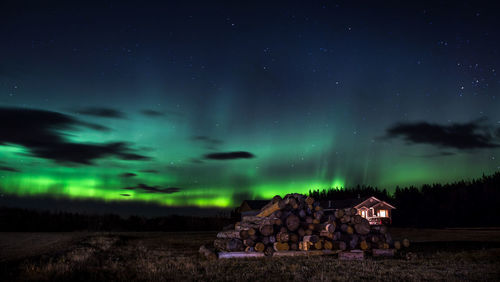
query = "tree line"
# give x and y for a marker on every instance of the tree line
(474, 203)
(16, 219)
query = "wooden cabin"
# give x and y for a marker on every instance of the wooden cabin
(371, 208)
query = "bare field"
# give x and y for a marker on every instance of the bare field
(458, 254)
(449, 234)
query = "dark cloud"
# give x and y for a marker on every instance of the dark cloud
(229, 155)
(125, 195)
(162, 113)
(94, 126)
(209, 143)
(102, 112)
(152, 113)
(462, 136)
(9, 169)
(86, 153)
(440, 154)
(154, 189)
(150, 171)
(128, 174)
(41, 132)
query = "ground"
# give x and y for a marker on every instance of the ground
(446, 254)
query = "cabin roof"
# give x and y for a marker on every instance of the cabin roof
(384, 203)
(256, 204)
(368, 202)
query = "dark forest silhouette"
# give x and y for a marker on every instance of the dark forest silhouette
(473, 203)
(15, 219)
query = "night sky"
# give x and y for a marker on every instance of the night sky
(206, 103)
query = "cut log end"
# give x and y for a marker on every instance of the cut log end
(406, 243)
(278, 246)
(318, 245)
(206, 252)
(292, 222)
(260, 247)
(397, 245)
(266, 230)
(328, 245)
(363, 227)
(251, 231)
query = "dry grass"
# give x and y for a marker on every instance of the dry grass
(174, 257)
(447, 235)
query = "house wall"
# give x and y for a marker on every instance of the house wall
(383, 207)
(373, 212)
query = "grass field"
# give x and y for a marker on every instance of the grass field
(450, 254)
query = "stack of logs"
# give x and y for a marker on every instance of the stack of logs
(299, 223)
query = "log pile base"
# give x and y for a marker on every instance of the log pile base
(342, 255)
(226, 255)
(305, 253)
(352, 255)
(383, 252)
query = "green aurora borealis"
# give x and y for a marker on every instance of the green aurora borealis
(310, 91)
(277, 169)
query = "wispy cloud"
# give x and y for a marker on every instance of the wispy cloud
(9, 169)
(102, 112)
(229, 155)
(152, 113)
(128, 174)
(461, 136)
(154, 189)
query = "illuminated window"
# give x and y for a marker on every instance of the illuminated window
(382, 213)
(363, 213)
